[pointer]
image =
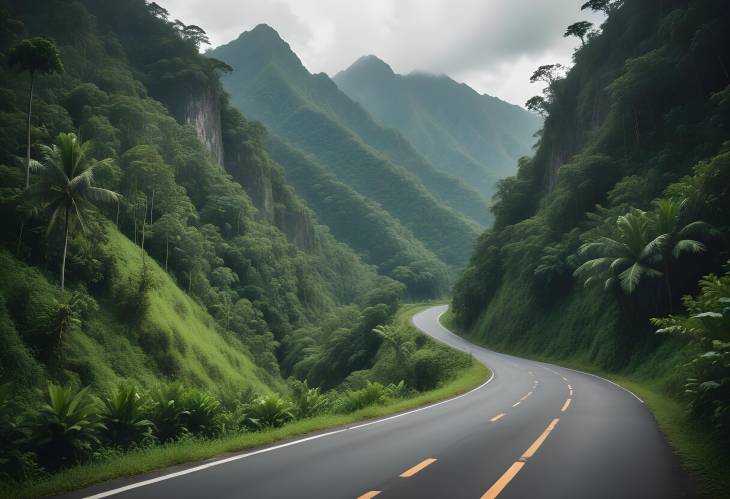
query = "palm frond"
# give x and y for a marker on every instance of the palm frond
(687, 246)
(631, 277)
(102, 195)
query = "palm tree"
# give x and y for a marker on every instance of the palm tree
(628, 256)
(65, 186)
(673, 237)
(399, 342)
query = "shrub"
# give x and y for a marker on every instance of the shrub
(269, 411)
(15, 463)
(66, 427)
(353, 400)
(167, 411)
(203, 413)
(124, 418)
(308, 402)
(427, 370)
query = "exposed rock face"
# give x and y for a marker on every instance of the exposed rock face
(296, 224)
(204, 113)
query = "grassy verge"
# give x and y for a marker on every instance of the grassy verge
(141, 461)
(694, 445)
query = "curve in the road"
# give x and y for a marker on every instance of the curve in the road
(534, 430)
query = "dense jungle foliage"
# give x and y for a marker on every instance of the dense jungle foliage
(622, 209)
(158, 276)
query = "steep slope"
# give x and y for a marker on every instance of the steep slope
(628, 190)
(175, 338)
(252, 265)
(375, 234)
(270, 84)
(477, 138)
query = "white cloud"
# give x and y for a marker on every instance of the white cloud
(492, 45)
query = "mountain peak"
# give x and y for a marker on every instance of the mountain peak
(371, 63)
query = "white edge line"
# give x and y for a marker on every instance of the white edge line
(438, 319)
(604, 379)
(544, 366)
(280, 446)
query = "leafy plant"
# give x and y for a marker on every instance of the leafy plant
(203, 413)
(66, 427)
(627, 257)
(168, 412)
(15, 462)
(707, 322)
(353, 400)
(307, 401)
(123, 415)
(270, 411)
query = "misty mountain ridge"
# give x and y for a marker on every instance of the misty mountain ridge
(475, 137)
(269, 83)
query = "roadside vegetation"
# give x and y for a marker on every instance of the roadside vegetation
(71, 437)
(610, 247)
(164, 297)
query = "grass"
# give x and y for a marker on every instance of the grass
(693, 445)
(186, 451)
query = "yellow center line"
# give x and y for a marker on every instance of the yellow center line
(412, 471)
(515, 404)
(571, 392)
(497, 417)
(500, 484)
(537, 443)
(512, 471)
(368, 495)
(565, 407)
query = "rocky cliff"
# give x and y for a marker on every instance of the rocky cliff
(203, 111)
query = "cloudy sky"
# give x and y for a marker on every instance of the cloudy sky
(492, 45)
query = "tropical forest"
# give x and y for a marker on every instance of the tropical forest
(225, 272)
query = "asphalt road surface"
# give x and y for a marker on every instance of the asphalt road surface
(533, 430)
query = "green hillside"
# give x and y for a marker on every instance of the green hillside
(270, 84)
(174, 338)
(627, 191)
(255, 264)
(477, 138)
(380, 239)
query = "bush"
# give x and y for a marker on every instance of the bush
(269, 411)
(167, 411)
(203, 413)
(15, 463)
(427, 370)
(123, 415)
(308, 402)
(66, 427)
(353, 400)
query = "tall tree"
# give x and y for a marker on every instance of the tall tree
(35, 55)
(65, 186)
(580, 30)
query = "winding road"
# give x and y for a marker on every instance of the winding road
(534, 430)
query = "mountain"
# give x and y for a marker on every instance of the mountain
(477, 138)
(209, 270)
(269, 83)
(610, 247)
